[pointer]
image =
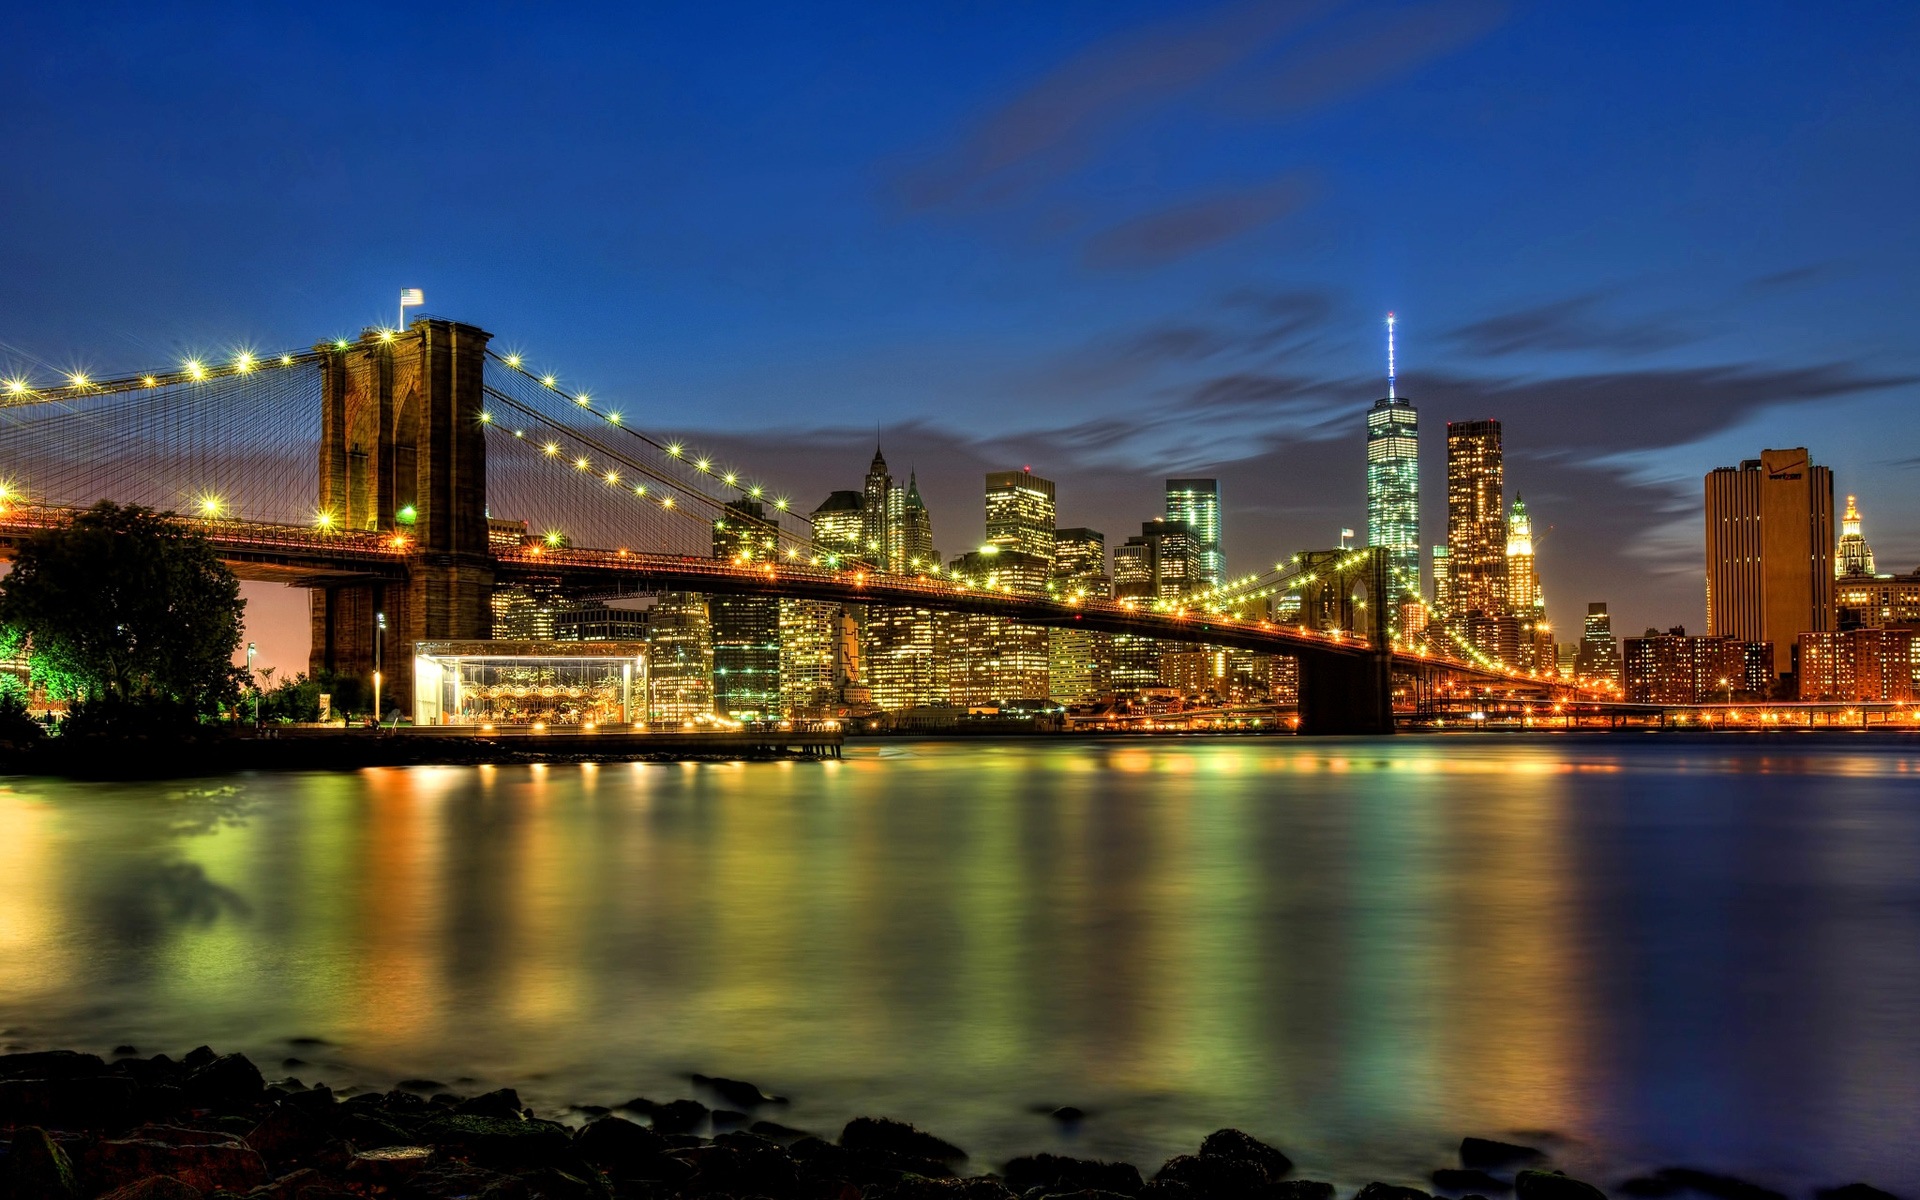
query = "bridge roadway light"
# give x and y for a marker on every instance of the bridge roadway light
(244, 363)
(286, 360)
(78, 379)
(16, 387)
(549, 381)
(149, 381)
(513, 360)
(196, 370)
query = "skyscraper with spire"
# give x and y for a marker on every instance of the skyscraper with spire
(1855, 557)
(881, 517)
(1393, 482)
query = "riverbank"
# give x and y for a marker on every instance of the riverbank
(218, 753)
(209, 1126)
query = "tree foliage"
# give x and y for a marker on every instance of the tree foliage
(126, 608)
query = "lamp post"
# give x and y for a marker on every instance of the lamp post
(251, 650)
(379, 642)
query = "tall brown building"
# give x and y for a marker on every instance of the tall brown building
(1770, 551)
(1476, 519)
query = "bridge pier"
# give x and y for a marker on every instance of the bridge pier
(1350, 695)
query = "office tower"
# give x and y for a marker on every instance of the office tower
(916, 531)
(1442, 580)
(598, 621)
(881, 526)
(809, 650)
(1523, 583)
(1599, 656)
(839, 526)
(1476, 520)
(1195, 503)
(1770, 550)
(991, 659)
(746, 629)
(1393, 481)
(1856, 557)
(679, 657)
(1158, 563)
(904, 667)
(1020, 513)
(526, 610)
(1076, 658)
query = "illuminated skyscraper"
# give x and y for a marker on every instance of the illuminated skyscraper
(1476, 520)
(1770, 550)
(746, 629)
(1393, 481)
(1523, 581)
(916, 531)
(679, 657)
(1020, 513)
(1076, 657)
(1442, 580)
(881, 526)
(1856, 557)
(1195, 503)
(1599, 656)
(839, 525)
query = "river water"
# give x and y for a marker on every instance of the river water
(1637, 951)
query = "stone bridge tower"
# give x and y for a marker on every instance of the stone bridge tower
(403, 452)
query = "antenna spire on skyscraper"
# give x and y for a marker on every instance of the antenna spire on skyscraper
(1390, 394)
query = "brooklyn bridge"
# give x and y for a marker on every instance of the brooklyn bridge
(402, 475)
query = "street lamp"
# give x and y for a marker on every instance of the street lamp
(1727, 684)
(379, 641)
(251, 649)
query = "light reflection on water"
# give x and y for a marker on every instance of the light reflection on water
(1663, 952)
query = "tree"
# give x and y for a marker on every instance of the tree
(125, 607)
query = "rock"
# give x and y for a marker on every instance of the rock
(946, 1189)
(1057, 1173)
(69, 1101)
(389, 1166)
(737, 1092)
(503, 1103)
(619, 1146)
(317, 1102)
(287, 1133)
(500, 1142)
(1707, 1183)
(741, 1169)
(421, 1085)
(825, 1167)
(1067, 1114)
(639, 1104)
(786, 1133)
(198, 1057)
(126, 1052)
(51, 1064)
(1649, 1187)
(1389, 1191)
(549, 1184)
(158, 1102)
(681, 1116)
(1167, 1189)
(159, 1187)
(1231, 1143)
(1485, 1152)
(726, 1118)
(232, 1165)
(1213, 1176)
(366, 1131)
(37, 1169)
(1303, 1189)
(229, 1082)
(1468, 1179)
(897, 1137)
(1552, 1185)
(1853, 1191)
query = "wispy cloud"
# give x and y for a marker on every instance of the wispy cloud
(1057, 124)
(1579, 323)
(1158, 238)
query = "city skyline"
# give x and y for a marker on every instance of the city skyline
(1120, 243)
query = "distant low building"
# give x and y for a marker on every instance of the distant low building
(1675, 668)
(1859, 664)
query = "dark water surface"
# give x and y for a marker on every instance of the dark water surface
(1663, 953)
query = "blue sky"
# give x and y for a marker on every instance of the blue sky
(1114, 240)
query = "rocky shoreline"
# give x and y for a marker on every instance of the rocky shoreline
(210, 1127)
